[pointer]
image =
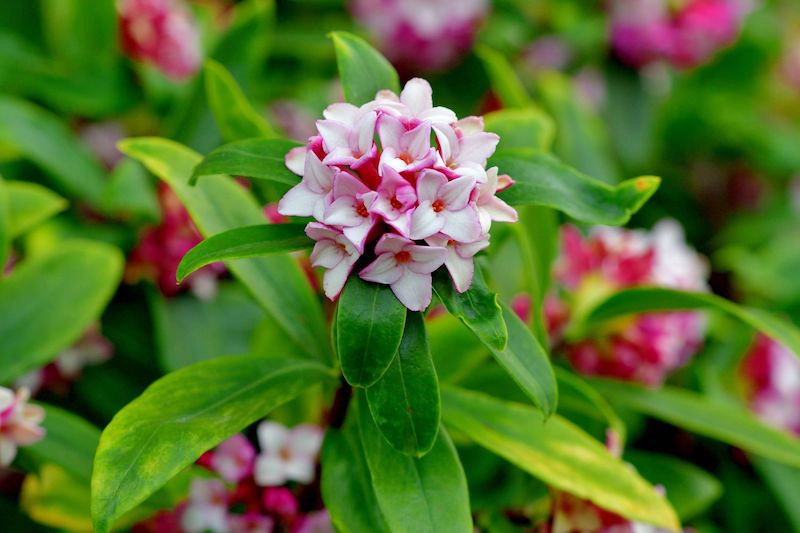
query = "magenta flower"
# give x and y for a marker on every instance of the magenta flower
(280, 501)
(287, 454)
(233, 459)
(388, 198)
(19, 423)
(162, 32)
(406, 267)
(419, 35)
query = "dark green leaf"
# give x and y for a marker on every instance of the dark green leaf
(696, 413)
(218, 204)
(251, 158)
(240, 243)
(477, 308)
(181, 416)
(783, 482)
(235, 117)
(369, 326)
(557, 452)
(362, 69)
(521, 128)
(30, 204)
(405, 402)
(50, 300)
(541, 179)
(426, 495)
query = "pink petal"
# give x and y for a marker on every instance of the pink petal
(461, 269)
(317, 176)
(358, 234)
(341, 111)
(391, 243)
(326, 254)
(383, 270)
(448, 142)
(417, 142)
(345, 184)
(390, 130)
(417, 95)
(343, 213)
(413, 290)
(455, 194)
(463, 225)
(334, 134)
(470, 125)
(425, 259)
(500, 211)
(296, 160)
(438, 115)
(298, 202)
(478, 147)
(318, 232)
(334, 279)
(366, 132)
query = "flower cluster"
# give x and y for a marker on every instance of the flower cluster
(571, 514)
(645, 31)
(19, 423)
(250, 495)
(644, 348)
(422, 35)
(161, 32)
(771, 373)
(91, 349)
(404, 204)
(162, 247)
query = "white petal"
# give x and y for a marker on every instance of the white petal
(269, 471)
(463, 225)
(461, 270)
(426, 259)
(341, 111)
(428, 185)
(298, 202)
(296, 160)
(448, 142)
(390, 130)
(478, 147)
(470, 125)
(343, 213)
(358, 234)
(300, 469)
(413, 290)
(318, 232)
(334, 134)
(417, 95)
(438, 115)
(306, 440)
(383, 270)
(455, 194)
(417, 142)
(8, 450)
(500, 211)
(316, 175)
(345, 184)
(366, 132)
(425, 221)
(334, 279)
(391, 243)
(326, 254)
(271, 435)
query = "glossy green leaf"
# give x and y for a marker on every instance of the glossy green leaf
(521, 128)
(477, 308)
(690, 490)
(557, 452)
(181, 416)
(235, 117)
(405, 402)
(426, 495)
(711, 418)
(541, 179)
(362, 69)
(346, 483)
(41, 137)
(251, 158)
(653, 299)
(29, 205)
(504, 81)
(369, 326)
(217, 204)
(244, 242)
(51, 299)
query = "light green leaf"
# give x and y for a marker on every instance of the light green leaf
(654, 299)
(30, 204)
(244, 242)
(698, 414)
(369, 326)
(235, 117)
(218, 204)
(521, 128)
(578, 399)
(504, 81)
(405, 402)
(541, 179)
(346, 483)
(557, 452)
(50, 300)
(5, 226)
(455, 349)
(251, 158)
(362, 69)
(41, 137)
(130, 193)
(426, 495)
(183, 415)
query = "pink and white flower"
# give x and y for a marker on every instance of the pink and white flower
(234, 458)
(19, 423)
(389, 198)
(287, 454)
(250, 523)
(207, 509)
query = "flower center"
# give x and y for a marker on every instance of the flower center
(361, 209)
(407, 159)
(395, 202)
(438, 205)
(402, 257)
(285, 454)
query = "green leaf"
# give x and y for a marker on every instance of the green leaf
(183, 415)
(426, 495)
(783, 482)
(654, 299)
(690, 490)
(5, 226)
(218, 204)
(557, 452)
(130, 193)
(541, 179)
(369, 326)
(240, 243)
(504, 81)
(235, 117)
(251, 158)
(578, 399)
(455, 349)
(405, 402)
(51, 299)
(30, 204)
(346, 484)
(362, 69)
(42, 138)
(477, 308)
(698, 414)
(521, 128)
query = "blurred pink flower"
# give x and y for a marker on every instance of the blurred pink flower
(571, 514)
(316, 522)
(280, 501)
(162, 32)
(19, 423)
(207, 508)
(250, 523)
(287, 454)
(422, 35)
(233, 459)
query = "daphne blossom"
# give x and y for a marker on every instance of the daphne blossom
(286, 454)
(646, 347)
(401, 186)
(19, 423)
